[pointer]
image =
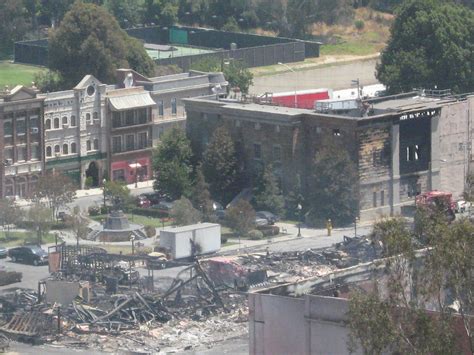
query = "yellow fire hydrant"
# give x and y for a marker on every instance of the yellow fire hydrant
(329, 226)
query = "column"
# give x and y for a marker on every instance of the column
(395, 171)
(434, 174)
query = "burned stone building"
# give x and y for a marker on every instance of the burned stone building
(400, 145)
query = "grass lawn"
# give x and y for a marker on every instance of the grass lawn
(17, 74)
(146, 221)
(20, 238)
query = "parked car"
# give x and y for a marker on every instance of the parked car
(462, 206)
(143, 201)
(29, 254)
(153, 197)
(220, 214)
(260, 221)
(3, 252)
(270, 217)
(164, 206)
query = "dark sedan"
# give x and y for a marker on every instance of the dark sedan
(270, 217)
(29, 254)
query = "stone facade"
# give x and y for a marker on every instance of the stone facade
(78, 122)
(75, 131)
(395, 147)
(21, 141)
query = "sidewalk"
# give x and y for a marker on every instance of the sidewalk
(99, 191)
(292, 234)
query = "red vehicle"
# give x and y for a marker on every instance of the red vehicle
(304, 98)
(438, 199)
(143, 202)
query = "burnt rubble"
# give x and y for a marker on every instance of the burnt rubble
(117, 307)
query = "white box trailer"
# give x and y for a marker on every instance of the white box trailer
(178, 240)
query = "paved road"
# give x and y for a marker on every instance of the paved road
(337, 76)
(31, 274)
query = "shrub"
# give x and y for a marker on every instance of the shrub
(88, 182)
(104, 210)
(269, 230)
(94, 211)
(359, 25)
(59, 226)
(150, 231)
(255, 235)
(224, 239)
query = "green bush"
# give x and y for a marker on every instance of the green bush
(150, 231)
(94, 211)
(359, 25)
(59, 226)
(269, 230)
(88, 182)
(224, 239)
(104, 210)
(255, 235)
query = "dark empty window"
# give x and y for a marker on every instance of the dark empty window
(257, 151)
(382, 198)
(174, 108)
(130, 142)
(130, 118)
(374, 199)
(117, 144)
(7, 128)
(116, 119)
(276, 153)
(73, 121)
(161, 109)
(21, 126)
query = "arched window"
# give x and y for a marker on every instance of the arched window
(88, 145)
(49, 151)
(48, 124)
(56, 122)
(88, 117)
(96, 144)
(64, 120)
(95, 116)
(73, 148)
(65, 149)
(57, 149)
(73, 121)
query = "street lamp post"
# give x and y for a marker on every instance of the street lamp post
(103, 188)
(240, 215)
(300, 208)
(355, 226)
(293, 71)
(132, 239)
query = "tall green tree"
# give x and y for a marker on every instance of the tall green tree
(172, 164)
(431, 46)
(235, 72)
(119, 195)
(200, 196)
(56, 189)
(184, 213)
(241, 217)
(40, 218)
(14, 23)
(10, 213)
(90, 41)
(126, 12)
(163, 12)
(393, 315)
(220, 166)
(332, 186)
(267, 193)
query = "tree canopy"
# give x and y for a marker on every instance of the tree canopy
(90, 41)
(172, 164)
(333, 192)
(431, 46)
(220, 166)
(267, 193)
(438, 277)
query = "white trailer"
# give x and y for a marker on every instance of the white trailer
(179, 240)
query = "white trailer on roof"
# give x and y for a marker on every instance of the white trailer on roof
(179, 240)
